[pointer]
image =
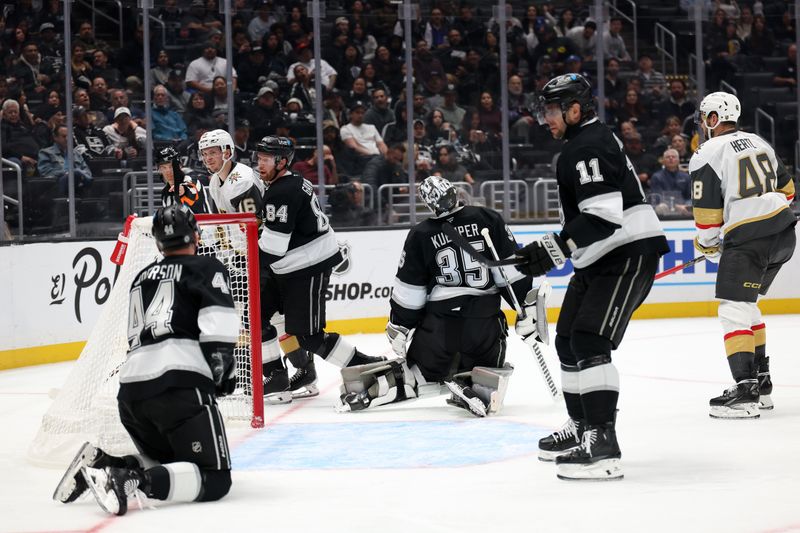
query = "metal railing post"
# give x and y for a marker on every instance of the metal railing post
(506, 155)
(407, 13)
(146, 5)
(68, 108)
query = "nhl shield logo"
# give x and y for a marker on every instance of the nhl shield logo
(197, 447)
(343, 267)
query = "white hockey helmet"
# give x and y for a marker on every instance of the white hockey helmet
(219, 138)
(725, 105)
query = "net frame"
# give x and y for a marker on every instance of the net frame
(85, 408)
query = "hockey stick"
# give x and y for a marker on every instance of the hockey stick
(678, 268)
(465, 245)
(537, 352)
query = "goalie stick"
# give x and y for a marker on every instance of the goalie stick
(537, 352)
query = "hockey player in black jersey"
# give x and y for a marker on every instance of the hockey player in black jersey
(299, 251)
(190, 193)
(615, 241)
(451, 304)
(182, 329)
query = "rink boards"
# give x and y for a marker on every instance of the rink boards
(53, 293)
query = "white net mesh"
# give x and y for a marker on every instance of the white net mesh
(85, 408)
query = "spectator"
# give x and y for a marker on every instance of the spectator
(420, 132)
(90, 141)
(49, 107)
(644, 163)
(358, 15)
(745, 23)
(264, 111)
(347, 209)
(680, 143)
(490, 118)
(219, 98)
(427, 67)
(729, 7)
(160, 73)
(566, 22)
(785, 32)
(274, 56)
(197, 23)
(341, 153)
(761, 42)
(363, 139)
(435, 29)
(452, 52)
(613, 42)
(471, 29)
(349, 67)
(305, 58)
(671, 186)
(634, 110)
(366, 43)
(81, 69)
(262, 22)
(677, 104)
(555, 47)
(178, 97)
(672, 127)
(53, 163)
(302, 89)
(167, 124)
(119, 98)
(370, 76)
(520, 118)
(198, 114)
(379, 114)
(585, 39)
(31, 73)
(574, 65)
(101, 69)
(334, 108)
(384, 17)
(385, 170)
(171, 14)
(50, 46)
(438, 130)
(358, 92)
(387, 69)
(472, 134)
(242, 145)
(87, 39)
(787, 75)
(98, 96)
(653, 82)
(251, 69)
(308, 167)
(42, 131)
(452, 112)
(297, 114)
(125, 134)
(420, 106)
(131, 57)
(18, 141)
(448, 167)
(81, 98)
(201, 72)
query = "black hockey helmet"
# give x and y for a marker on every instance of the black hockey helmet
(438, 194)
(281, 147)
(566, 90)
(174, 227)
(166, 155)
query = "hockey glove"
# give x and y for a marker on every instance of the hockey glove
(532, 324)
(711, 251)
(398, 337)
(223, 369)
(543, 255)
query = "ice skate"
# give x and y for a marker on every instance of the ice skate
(72, 485)
(113, 486)
(764, 386)
(303, 383)
(596, 459)
(276, 387)
(738, 401)
(561, 441)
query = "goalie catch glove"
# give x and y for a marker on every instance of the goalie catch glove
(223, 370)
(532, 324)
(398, 338)
(543, 255)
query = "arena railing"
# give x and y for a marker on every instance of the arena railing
(4, 199)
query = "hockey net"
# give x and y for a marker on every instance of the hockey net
(85, 408)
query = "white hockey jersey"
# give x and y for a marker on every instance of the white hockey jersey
(242, 191)
(740, 190)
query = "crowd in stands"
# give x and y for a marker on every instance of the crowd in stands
(457, 125)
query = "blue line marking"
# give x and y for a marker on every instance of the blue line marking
(403, 444)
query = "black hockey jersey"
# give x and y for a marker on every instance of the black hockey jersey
(603, 208)
(180, 312)
(296, 237)
(435, 275)
(194, 196)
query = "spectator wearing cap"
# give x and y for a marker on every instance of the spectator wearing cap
(90, 140)
(262, 21)
(304, 57)
(613, 43)
(18, 141)
(167, 124)
(197, 22)
(557, 48)
(427, 67)
(252, 68)
(653, 82)
(53, 163)
(297, 114)
(379, 114)
(574, 65)
(32, 73)
(101, 69)
(49, 44)
(341, 25)
(263, 112)
(178, 96)
(585, 39)
(124, 133)
(453, 113)
(201, 72)
(363, 139)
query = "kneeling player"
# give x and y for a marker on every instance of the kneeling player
(182, 328)
(452, 303)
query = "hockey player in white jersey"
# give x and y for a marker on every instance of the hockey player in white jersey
(741, 194)
(234, 187)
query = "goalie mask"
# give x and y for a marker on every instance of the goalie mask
(174, 227)
(438, 194)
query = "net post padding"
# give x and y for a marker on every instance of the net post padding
(85, 408)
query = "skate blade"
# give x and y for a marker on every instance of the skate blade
(548, 457)
(765, 403)
(107, 501)
(740, 412)
(475, 405)
(67, 484)
(309, 391)
(278, 398)
(603, 470)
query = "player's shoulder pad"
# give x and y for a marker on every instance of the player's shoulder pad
(705, 154)
(241, 179)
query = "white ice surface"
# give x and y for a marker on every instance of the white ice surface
(683, 470)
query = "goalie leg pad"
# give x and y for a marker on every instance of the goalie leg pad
(491, 384)
(376, 384)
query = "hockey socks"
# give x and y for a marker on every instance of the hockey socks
(598, 381)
